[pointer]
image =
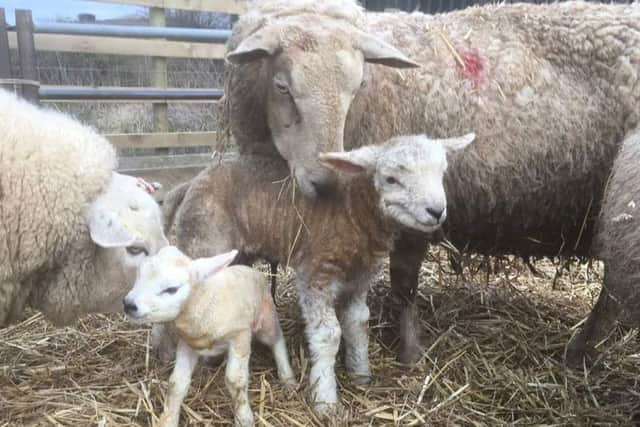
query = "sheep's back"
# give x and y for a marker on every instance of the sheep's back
(547, 130)
(51, 169)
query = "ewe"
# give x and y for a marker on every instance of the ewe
(214, 310)
(72, 232)
(335, 244)
(551, 91)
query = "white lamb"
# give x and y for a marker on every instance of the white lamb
(214, 310)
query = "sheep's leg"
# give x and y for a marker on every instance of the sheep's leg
(13, 298)
(179, 383)
(618, 301)
(270, 334)
(404, 267)
(237, 378)
(354, 320)
(163, 342)
(323, 335)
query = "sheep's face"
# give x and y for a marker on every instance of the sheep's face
(165, 281)
(126, 225)
(407, 173)
(316, 67)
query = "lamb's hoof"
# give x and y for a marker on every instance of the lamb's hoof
(289, 383)
(167, 421)
(244, 417)
(328, 411)
(361, 379)
(410, 354)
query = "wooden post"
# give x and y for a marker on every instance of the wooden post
(159, 78)
(5, 59)
(27, 54)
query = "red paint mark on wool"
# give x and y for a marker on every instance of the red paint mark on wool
(473, 67)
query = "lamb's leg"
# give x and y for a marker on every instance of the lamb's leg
(237, 378)
(354, 320)
(270, 333)
(323, 335)
(404, 266)
(179, 383)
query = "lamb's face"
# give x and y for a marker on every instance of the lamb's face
(161, 288)
(165, 282)
(316, 67)
(409, 180)
(408, 174)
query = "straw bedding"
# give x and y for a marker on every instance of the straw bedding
(495, 337)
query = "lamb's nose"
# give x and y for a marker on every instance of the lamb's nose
(129, 307)
(436, 213)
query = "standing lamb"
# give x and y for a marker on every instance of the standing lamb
(551, 91)
(72, 232)
(214, 310)
(335, 245)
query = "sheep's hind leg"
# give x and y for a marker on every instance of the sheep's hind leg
(404, 267)
(618, 301)
(323, 335)
(237, 378)
(354, 319)
(270, 334)
(13, 298)
(163, 342)
(179, 383)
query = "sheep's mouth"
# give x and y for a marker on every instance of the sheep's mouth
(405, 218)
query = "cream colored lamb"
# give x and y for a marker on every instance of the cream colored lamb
(214, 310)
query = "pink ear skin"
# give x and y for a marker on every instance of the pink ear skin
(339, 164)
(265, 323)
(148, 187)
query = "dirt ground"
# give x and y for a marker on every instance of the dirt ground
(494, 343)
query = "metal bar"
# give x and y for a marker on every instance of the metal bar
(5, 59)
(27, 53)
(61, 93)
(134, 31)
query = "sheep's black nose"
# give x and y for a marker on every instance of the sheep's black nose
(436, 213)
(129, 307)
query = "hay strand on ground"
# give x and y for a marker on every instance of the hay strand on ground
(495, 349)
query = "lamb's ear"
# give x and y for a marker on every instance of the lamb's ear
(378, 51)
(262, 43)
(458, 143)
(203, 268)
(107, 229)
(357, 161)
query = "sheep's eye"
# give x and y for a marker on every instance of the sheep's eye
(363, 84)
(171, 290)
(137, 250)
(391, 180)
(282, 88)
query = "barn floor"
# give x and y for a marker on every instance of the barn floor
(495, 349)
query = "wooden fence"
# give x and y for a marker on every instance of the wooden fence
(27, 40)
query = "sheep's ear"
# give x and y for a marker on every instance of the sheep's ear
(261, 44)
(203, 268)
(458, 143)
(377, 51)
(107, 229)
(356, 161)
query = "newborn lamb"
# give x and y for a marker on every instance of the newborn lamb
(214, 310)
